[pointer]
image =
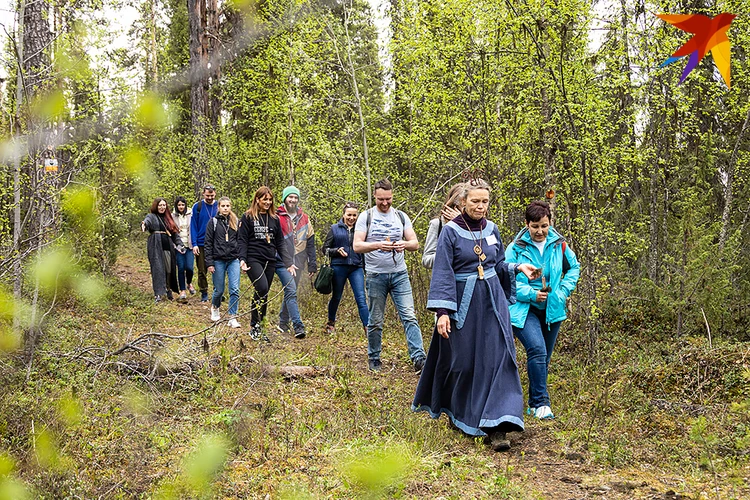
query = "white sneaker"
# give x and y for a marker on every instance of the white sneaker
(544, 413)
(215, 314)
(233, 323)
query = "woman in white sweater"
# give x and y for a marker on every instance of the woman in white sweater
(181, 216)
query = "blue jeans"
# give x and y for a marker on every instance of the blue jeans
(538, 339)
(184, 268)
(356, 277)
(379, 285)
(231, 270)
(289, 308)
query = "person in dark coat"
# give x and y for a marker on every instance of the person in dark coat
(346, 265)
(470, 373)
(222, 260)
(259, 239)
(163, 241)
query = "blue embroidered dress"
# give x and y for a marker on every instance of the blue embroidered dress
(472, 376)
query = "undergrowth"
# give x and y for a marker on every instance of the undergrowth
(672, 414)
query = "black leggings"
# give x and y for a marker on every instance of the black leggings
(261, 275)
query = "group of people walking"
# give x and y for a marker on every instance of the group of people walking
(482, 293)
(262, 243)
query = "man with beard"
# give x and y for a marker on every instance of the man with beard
(300, 239)
(203, 211)
(382, 233)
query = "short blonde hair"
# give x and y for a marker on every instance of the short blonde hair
(472, 185)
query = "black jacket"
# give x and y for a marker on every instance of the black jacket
(252, 242)
(155, 247)
(221, 241)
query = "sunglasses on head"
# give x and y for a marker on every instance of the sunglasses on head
(351, 204)
(209, 187)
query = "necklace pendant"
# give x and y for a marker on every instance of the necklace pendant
(480, 271)
(478, 250)
(482, 257)
(226, 236)
(268, 238)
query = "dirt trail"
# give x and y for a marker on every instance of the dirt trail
(536, 459)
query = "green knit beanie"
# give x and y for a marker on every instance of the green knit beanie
(287, 191)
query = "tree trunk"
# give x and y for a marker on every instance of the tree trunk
(36, 37)
(653, 249)
(153, 57)
(358, 103)
(16, 132)
(34, 72)
(203, 27)
(728, 181)
(198, 91)
(211, 44)
(289, 141)
(548, 152)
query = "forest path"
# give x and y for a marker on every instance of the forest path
(538, 465)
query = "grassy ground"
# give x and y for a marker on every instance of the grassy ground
(210, 414)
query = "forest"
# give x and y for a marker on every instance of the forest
(108, 104)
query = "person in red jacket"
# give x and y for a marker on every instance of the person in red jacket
(299, 238)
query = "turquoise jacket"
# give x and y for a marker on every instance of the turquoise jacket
(521, 250)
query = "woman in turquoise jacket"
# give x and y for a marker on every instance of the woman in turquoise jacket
(540, 305)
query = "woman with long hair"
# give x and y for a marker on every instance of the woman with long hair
(259, 240)
(185, 260)
(346, 265)
(222, 260)
(450, 210)
(163, 241)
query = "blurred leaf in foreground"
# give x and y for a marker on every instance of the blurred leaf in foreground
(79, 205)
(10, 487)
(152, 112)
(58, 273)
(135, 163)
(9, 307)
(199, 469)
(70, 410)
(376, 470)
(49, 107)
(202, 465)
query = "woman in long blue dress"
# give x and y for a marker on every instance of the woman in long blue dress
(471, 373)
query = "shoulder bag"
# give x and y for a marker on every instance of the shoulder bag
(324, 280)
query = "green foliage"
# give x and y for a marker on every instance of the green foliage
(10, 487)
(198, 470)
(642, 169)
(375, 471)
